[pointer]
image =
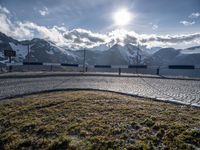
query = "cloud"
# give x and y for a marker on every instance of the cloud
(12, 29)
(195, 15)
(170, 39)
(187, 23)
(4, 10)
(29, 30)
(81, 38)
(44, 11)
(153, 26)
(53, 34)
(85, 34)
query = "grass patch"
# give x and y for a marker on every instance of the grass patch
(96, 120)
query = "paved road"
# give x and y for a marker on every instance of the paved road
(183, 91)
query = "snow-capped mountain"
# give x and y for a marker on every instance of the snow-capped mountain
(40, 50)
(122, 55)
(46, 51)
(191, 50)
(117, 54)
(171, 56)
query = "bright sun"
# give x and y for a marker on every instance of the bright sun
(122, 17)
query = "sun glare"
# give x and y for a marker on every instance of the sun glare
(122, 17)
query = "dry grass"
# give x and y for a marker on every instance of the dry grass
(96, 120)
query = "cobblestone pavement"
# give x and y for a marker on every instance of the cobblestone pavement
(181, 91)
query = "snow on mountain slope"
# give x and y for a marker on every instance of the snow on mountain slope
(129, 52)
(171, 56)
(133, 51)
(21, 50)
(50, 52)
(121, 55)
(54, 48)
(1, 55)
(192, 50)
(46, 51)
(102, 47)
(118, 54)
(164, 56)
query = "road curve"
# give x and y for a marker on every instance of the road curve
(181, 91)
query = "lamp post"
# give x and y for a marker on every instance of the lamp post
(137, 57)
(84, 58)
(28, 56)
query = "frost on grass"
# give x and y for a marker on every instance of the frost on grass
(96, 120)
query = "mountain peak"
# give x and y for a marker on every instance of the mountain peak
(5, 38)
(35, 40)
(194, 47)
(117, 45)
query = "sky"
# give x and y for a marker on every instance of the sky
(90, 23)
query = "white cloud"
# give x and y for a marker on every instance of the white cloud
(195, 15)
(169, 38)
(4, 10)
(29, 30)
(153, 26)
(187, 23)
(13, 29)
(81, 38)
(44, 11)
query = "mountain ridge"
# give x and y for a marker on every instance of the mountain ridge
(46, 51)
